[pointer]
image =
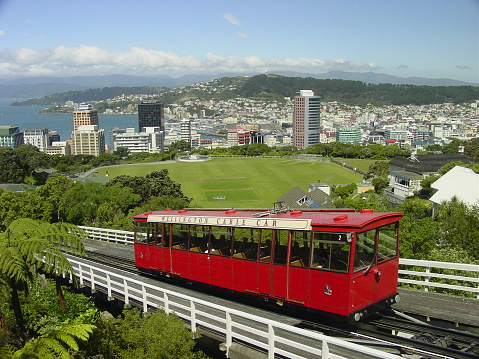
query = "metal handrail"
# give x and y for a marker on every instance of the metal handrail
(274, 337)
(422, 271)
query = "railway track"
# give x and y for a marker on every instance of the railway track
(393, 334)
(113, 261)
(442, 341)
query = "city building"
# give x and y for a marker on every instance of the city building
(326, 136)
(406, 174)
(306, 120)
(53, 136)
(240, 136)
(85, 115)
(151, 114)
(296, 198)
(185, 128)
(88, 140)
(348, 135)
(38, 137)
(150, 140)
(10, 136)
(59, 148)
(459, 182)
(396, 134)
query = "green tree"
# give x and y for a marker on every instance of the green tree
(367, 200)
(150, 336)
(121, 152)
(32, 157)
(180, 146)
(157, 183)
(419, 231)
(55, 342)
(459, 226)
(53, 192)
(27, 247)
(345, 191)
(379, 183)
(449, 166)
(14, 205)
(12, 170)
(377, 169)
(93, 203)
(426, 190)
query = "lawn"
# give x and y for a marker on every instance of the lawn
(244, 182)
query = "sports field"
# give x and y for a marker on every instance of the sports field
(244, 182)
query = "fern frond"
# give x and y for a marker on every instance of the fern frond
(56, 343)
(22, 227)
(66, 236)
(12, 264)
(40, 348)
(7, 351)
(31, 248)
(52, 345)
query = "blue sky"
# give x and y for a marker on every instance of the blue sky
(425, 38)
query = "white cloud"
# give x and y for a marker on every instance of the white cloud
(231, 18)
(465, 67)
(91, 60)
(2, 32)
(241, 34)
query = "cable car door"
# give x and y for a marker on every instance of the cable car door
(364, 279)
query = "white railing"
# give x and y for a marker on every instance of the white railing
(424, 271)
(111, 235)
(466, 275)
(274, 338)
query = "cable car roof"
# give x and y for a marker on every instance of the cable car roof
(283, 219)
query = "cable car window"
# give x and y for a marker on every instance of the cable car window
(154, 234)
(180, 236)
(300, 249)
(331, 251)
(246, 242)
(266, 237)
(141, 232)
(365, 250)
(220, 241)
(199, 238)
(165, 229)
(387, 242)
(281, 247)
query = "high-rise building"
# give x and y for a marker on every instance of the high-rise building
(151, 114)
(185, 128)
(306, 121)
(85, 115)
(38, 137)
(88, 140)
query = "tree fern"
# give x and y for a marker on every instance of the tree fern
(27, 247)
(12, 264)
(56, 343)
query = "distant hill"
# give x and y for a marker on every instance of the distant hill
(33, 87)
(99, 94)
(273, 86)
(356, 92)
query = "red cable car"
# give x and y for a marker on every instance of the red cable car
(336, 261)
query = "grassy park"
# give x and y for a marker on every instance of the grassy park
(244, 182)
